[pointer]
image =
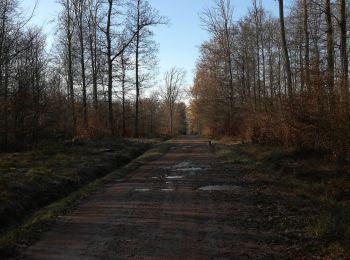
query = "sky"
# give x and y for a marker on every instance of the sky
(179, 41)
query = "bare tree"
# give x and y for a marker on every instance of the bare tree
(5, 9)
(137, 80)
(219, 22)
(93, 6)
(124, 64)
(12, 45)
(39, 90)
(174, 81)
(306, 43)
(110, 65)
(285, 51)
(330, 49)
(68, 25)
(80, 9)
(343, 52)
(143, 16)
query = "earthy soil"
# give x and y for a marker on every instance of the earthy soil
(188, 204)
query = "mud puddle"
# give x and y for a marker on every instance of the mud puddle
(220, 188)
(142, 190)
(167, 190)
(185, 166)
(174, 177)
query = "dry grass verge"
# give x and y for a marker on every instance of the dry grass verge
(68, 176)
(305, 175)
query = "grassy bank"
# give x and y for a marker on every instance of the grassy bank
(61, 174)
(306, 175)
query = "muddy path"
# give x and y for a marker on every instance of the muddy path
(186, 205)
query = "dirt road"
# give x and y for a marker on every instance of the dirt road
(186, 205)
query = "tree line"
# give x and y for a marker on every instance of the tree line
(92, 82)
(277, 80)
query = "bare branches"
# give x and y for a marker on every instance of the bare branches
(174, 83)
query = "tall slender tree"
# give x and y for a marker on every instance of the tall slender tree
(306, 43)
(344, 53)
(80, 9)
(174, 81)
(143, 17)
(330, 47)
(285, 51)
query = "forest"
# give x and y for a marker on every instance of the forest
(276, 80)
(91, 82)
(105, 155)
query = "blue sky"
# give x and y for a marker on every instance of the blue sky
(179, 41)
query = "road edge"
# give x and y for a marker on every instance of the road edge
(14, 243)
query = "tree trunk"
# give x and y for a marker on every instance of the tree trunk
(3, 79)
(228, 51)
(261, 31)
(285, 52)
(344, 54)
(330, 52)
(257, 38)
(137, 84)
(110, 68)
(123, 94)
(82, 62)
(307, 45)
(6, 80)
(93, 54)
(171, 118)
(70, 68)
(94, 73)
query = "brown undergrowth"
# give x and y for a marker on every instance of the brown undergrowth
(302, 175)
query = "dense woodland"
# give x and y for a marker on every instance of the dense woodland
(277, 80)
(92, 82)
